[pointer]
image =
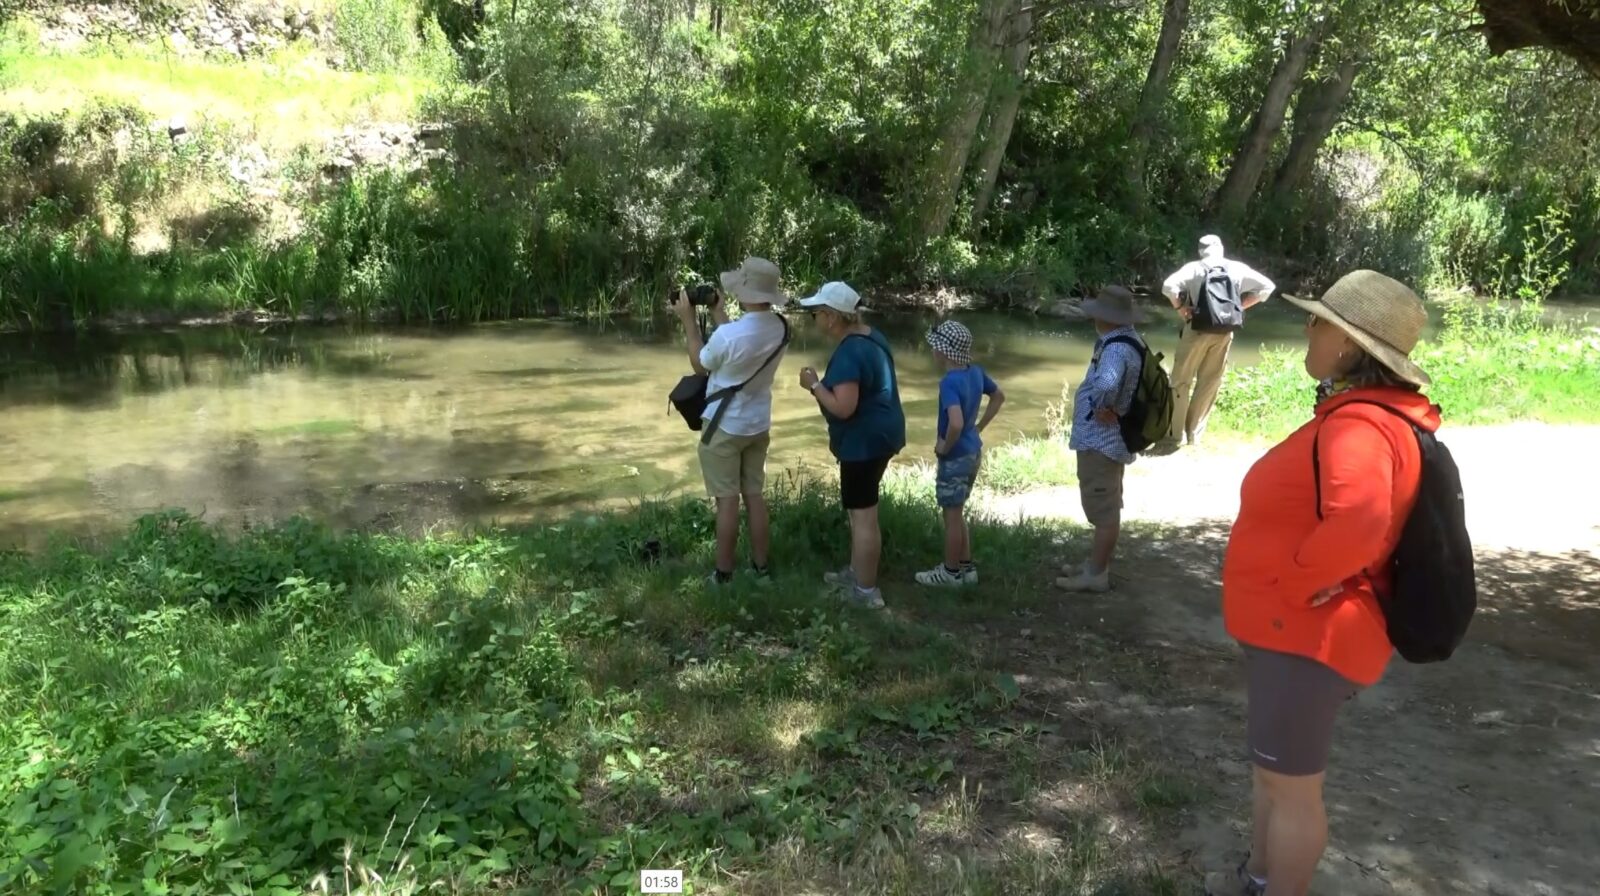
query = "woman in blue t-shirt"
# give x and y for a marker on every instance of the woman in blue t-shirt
(860, 398)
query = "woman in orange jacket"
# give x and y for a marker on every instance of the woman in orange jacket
(1300, 580)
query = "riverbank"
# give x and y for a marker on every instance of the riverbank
(557, 706)
(377, 160)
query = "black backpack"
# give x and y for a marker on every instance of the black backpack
(1218, 308)
(1434, 584)
(689, 397)
(1150, 415)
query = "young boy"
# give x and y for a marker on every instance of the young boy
(960, 448)
(1103, 457)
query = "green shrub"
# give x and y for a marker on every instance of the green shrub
(392, 36)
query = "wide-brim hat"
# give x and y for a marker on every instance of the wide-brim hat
(1114, 305)
(953, 340)
(1380, 314)
(755, 282)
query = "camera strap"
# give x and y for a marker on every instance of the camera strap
(725, 395)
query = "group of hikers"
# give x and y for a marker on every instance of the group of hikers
(1306, 576)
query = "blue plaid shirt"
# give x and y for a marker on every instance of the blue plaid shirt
(1112, 378)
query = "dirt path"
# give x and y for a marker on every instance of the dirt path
(1476, 776)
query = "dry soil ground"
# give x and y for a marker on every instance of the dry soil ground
(1480, 775)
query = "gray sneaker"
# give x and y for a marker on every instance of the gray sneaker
(870, 599)
(844, 578)
(1235, 883)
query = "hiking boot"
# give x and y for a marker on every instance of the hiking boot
(1237, 882)
(866, 598)
(941, 577)
(1086, 582)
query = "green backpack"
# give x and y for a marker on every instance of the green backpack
(1149, 418)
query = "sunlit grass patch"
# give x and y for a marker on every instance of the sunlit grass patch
(284, 102)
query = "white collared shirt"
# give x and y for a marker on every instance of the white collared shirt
(734, 352)
(1188, 280)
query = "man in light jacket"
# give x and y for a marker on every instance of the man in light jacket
(1203, 356)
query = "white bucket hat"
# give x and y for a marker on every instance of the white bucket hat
(836, 295)
(755, 282)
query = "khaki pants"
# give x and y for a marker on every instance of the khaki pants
(1196, 377)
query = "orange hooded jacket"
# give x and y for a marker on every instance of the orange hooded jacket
(1281, 556)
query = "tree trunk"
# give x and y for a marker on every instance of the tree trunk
(1008, 97)
(961, 130)
(1174, 20)
(1251, 160)
(1314, 119)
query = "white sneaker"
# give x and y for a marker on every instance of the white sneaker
(969, 576)
(1086, 583)
(940, 577)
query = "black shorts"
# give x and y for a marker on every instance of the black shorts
(859, 481)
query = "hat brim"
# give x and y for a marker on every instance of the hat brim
(1094, 309)
(734, 285)
(1387, 355)
(815, 302)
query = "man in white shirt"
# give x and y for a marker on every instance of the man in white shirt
(1203, 355)
(734, 459)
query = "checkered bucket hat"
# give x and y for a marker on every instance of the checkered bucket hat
(952, 340)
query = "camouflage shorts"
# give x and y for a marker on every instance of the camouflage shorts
(953, 485)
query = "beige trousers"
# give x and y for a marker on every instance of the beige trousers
(1196, 377)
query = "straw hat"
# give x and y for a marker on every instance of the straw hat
(1114, 305)
(1381, 314)
(755, 282)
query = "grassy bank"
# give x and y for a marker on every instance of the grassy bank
(186, 712)
(1490, 364)
(285, 102)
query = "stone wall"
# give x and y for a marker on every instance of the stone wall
(240, 28)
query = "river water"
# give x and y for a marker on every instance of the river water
(496, 423)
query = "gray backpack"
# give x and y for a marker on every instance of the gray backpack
(1218, 308)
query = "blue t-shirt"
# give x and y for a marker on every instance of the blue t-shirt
(964, 387)
(878, 427)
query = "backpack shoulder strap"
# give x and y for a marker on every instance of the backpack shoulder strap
(1316, 457)
(1132, 342)
(894, 377)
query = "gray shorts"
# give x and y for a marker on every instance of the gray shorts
(1293, 702)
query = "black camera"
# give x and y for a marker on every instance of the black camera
(701, 295)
